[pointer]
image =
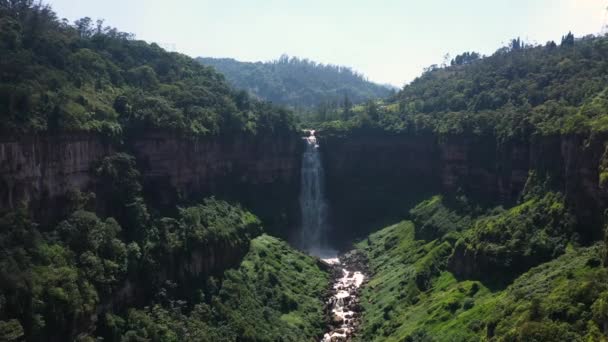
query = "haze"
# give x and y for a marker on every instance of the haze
(389, 41)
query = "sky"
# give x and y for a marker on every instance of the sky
(389, 41)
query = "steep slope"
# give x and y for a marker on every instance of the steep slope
(518, 91)
(413, 295)
(199, 277)
(298, 83)
(515, 144)
(274, 294)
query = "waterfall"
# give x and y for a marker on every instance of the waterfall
(312, 201)
(344, 303)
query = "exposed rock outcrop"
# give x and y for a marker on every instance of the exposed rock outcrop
(377, 175)
(39, 169)
(262, 173)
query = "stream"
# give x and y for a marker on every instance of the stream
(343, 308)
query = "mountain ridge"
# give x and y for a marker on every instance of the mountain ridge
(297, 82)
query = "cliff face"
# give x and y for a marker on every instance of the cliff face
(371, 176)
(40, 170)
(262, 173)
(374, 177)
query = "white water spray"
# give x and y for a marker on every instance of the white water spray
(312, 201)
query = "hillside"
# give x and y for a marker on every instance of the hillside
(518, 91)
(413, 296)
(298, 83)
(89, 77)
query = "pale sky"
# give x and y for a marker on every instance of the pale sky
(389, 41)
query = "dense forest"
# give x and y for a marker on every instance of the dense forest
(57, 76)
(520, 90)
(300, 83)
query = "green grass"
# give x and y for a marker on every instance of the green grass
(409, 290)
(547, 303)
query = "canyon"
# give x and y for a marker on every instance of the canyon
(368, 175)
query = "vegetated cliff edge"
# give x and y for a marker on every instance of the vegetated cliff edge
(261, 172)
(373, 175)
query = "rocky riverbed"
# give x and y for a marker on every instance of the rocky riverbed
(349, 272)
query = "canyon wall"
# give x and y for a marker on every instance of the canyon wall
(39, 170)
(371, 176)
(262, 173)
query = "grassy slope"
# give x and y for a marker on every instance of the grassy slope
(553, 298)
(283, 286)
(275, 294)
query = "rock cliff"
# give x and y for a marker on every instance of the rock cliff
(376, 175)
(39, 170)
(262, 173)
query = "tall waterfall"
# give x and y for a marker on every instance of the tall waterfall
(312, 201)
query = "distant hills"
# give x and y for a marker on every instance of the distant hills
(298, 83)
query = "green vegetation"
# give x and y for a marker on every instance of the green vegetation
(143, 277)
(520, 90)
(273, 295)
(412, 296)
(89, 77)
(55, 282)
(328, 90)
(438, 216)
(111, 267)
(508, 243)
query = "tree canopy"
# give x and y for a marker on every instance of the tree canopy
(299, 83)
(85, 76)
(521, 89)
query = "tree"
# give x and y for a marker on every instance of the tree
(465, 58)
(371, 108)
(568, 40)
(347, 107)
(11, 330)
(516, 44)
(84, 27)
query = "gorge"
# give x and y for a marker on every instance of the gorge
(142, 198)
